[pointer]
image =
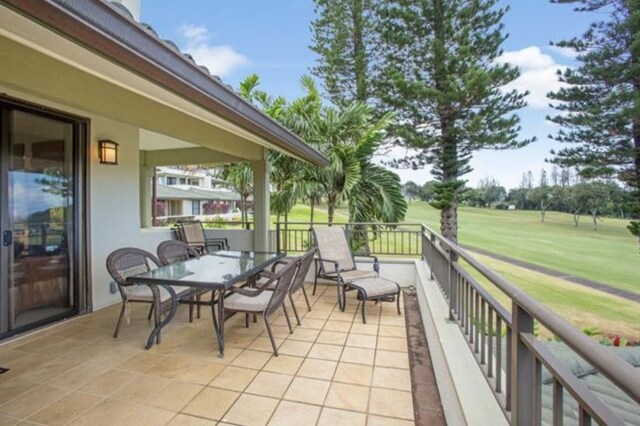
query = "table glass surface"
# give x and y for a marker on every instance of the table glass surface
(223, 267)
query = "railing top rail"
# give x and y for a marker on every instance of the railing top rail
(620, 373)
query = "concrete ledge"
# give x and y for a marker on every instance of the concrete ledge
(465, 394)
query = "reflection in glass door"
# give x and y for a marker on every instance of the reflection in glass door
(37, 220)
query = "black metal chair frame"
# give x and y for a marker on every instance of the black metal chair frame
(298, 281)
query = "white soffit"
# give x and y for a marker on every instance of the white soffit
(29, 33)
(151, 141)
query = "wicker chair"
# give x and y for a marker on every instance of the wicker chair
(192, 233)
(298, 282)
(129, 261)
(172, 251)
(337, 263)
(259, 300)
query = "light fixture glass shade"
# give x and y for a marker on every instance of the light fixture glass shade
(108, 152)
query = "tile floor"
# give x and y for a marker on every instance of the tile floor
(333, 370)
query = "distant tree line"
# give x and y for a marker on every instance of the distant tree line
(561, 190)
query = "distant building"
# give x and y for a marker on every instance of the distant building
(182, 193)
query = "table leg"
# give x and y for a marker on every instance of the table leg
(161, 324)
(218, 323)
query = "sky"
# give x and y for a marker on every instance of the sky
(271, 38)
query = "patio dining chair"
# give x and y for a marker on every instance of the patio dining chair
(172, 251)
(129, 261)
(259, 300)
(298, 281)
(192, 233)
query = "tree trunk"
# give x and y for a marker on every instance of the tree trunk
(576, 217)
(330, 211)
(313, 208)
(449, 223)
(359, 52)
(594, 216)
(543, 211)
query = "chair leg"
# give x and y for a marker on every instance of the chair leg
(122, 312)
(364, 318)
(156, 317)
(273, 342)
(286, 315)
(199, 298)
(150, 313)
(306, 298)
(295, 311)
(315, 282)
(398, 301)
(192, 298)
(246, 320)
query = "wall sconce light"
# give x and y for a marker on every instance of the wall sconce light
(108, 152)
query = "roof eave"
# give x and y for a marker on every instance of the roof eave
(99, 27)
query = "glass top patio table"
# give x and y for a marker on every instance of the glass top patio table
(219, 270)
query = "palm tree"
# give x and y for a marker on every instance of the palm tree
(240, 177)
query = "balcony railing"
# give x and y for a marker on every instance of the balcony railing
(502, 340)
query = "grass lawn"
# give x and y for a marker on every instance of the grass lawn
(581, 306)
(608, 255)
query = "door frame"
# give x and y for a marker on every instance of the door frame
(79, 268)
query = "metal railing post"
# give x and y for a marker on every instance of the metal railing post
(523, 396)
(453, 287)
(432, 239)
(278, 237)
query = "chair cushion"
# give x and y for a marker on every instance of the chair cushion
(333, 245)
(376, 287)
(143, 292)
(355, 275)
(239, 302)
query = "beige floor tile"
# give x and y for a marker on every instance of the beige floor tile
(279, 332)
(264, 344)
(170, 367)
(270, 384)
(310, 391)
(357, 374)
(49, 370)
(107, 413)
(312, 323)
(304, 334)
(323, 351)
(392, 331)
(234, 378)
(346, 316)
(8, 421)
(317, 369)
(318, 314)
(332, 338)
(33, 401)
(11, 389)
(392, 378)
(387, 421)
(143, 388)
(175, 395)
(392, 344)
(251, 410)
(251, 359)
(238, 340)
(392, 318)
(109, 382)
(368, 329)
(66, 409)
(141, 362)
(361, 341)
(78, 376)
(348, 397)
(200, 373)
(295, 414)
(285, 364)
(295, 347)
(186, 420)
(358, 355)
(391, 403)
(211, 403)
(334, 417)
(340, 326)
(392, 359)
(148, 416)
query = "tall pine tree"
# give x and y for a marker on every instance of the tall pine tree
(344, 38)
(599, 108)
(442, 75)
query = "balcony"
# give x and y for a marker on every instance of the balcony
(456, 355)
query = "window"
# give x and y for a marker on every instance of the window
(195, 207)
(194, 182)
(171, 180)
(183, 181)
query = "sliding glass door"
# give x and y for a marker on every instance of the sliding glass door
(39, 280)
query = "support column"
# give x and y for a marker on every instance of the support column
(261, 211)
(146, 177)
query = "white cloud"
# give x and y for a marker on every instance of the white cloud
(567, 52)
(221, 60)
(537, 74)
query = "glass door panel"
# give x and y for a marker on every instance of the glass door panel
(39, 176)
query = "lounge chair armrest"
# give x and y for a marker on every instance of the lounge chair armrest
(335, 263)
(279, 262)
(376, 264)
